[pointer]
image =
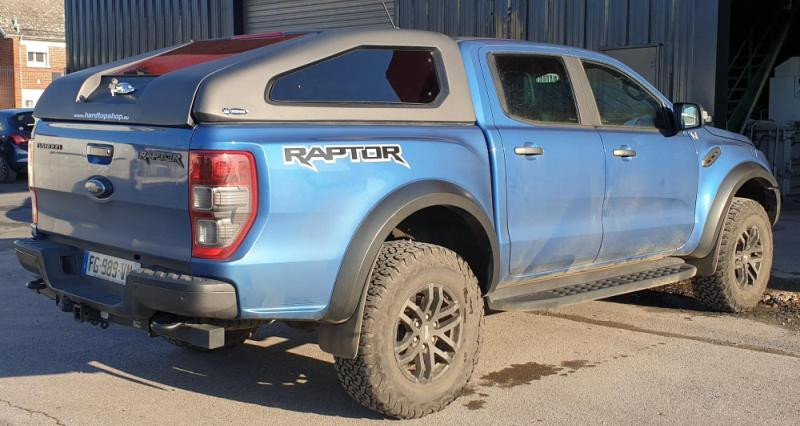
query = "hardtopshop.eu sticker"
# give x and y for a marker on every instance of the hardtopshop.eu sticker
(306, 156)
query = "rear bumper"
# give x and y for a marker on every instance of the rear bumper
(145, 293)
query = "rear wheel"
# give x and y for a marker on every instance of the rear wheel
(233, 338)
(744, 260)
(7, 173)
(420, 332)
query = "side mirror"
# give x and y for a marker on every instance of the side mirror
(687, 116)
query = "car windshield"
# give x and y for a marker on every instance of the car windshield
(24, 122)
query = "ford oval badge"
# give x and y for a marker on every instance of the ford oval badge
(99, 187)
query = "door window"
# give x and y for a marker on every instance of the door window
(535, 88)
(620, 100)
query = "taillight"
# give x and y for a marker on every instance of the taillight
(223, 201)
(32, 189)
(19, 140)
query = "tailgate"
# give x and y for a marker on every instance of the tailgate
(145, 168)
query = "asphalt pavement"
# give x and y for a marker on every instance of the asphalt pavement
(644, 358)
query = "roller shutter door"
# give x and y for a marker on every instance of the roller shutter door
(262, 16)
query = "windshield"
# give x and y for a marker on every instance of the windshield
(24, 122)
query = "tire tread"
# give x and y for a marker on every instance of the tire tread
(361, 377)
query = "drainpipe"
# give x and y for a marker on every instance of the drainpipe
(21, 59)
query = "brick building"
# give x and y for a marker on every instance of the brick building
(32, 49)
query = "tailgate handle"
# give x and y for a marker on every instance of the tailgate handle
(98, 150)
(99, 154)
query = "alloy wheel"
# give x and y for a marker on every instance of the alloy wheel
(428, 333)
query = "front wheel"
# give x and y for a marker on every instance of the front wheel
(744, 260)
(420, 332)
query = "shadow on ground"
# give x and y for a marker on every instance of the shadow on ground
(21, 214)
(20, 185)
(275, 369)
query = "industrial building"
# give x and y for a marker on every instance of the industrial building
(719, 53)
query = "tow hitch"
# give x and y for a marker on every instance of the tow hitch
(83, 313)
(90, 315)
(204, 336)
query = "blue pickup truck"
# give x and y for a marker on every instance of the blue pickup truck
(387, 186)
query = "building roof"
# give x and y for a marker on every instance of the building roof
(35, 19)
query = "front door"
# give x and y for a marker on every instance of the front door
(555, 170)
(651, 176)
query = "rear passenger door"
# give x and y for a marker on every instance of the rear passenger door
(651, 174)
(554, 166)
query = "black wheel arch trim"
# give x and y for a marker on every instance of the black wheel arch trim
(342, 321)
(704, 256)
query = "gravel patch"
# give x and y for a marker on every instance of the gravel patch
(780, 304)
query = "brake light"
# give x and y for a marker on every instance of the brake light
(223, 201)
(19, 140)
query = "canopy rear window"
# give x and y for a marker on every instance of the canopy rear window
(199, 52)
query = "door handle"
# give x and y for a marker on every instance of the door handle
(528, 150)
(624, 152)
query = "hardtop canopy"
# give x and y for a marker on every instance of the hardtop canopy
(229, 80)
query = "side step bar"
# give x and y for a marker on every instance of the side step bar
(593, 285)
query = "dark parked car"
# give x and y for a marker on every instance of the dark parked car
(15, 132)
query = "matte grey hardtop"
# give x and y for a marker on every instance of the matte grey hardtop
(208, 91)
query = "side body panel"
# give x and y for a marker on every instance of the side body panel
(735, 153)
(649, 198)
(287, 266)
(554, 201)
(712, 191)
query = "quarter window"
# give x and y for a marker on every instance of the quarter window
(620, 100)
(364, 75)
(536, 88)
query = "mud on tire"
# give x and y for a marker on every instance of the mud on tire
(737, 285)
(410, 282)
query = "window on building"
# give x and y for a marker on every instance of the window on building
(536, 88)
(620, 100)
(30, 97)
(364, 75)
(38, 59)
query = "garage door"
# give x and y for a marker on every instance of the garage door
(262, 16)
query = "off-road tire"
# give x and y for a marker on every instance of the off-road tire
(721, 291)
(375, 377)
(7, 173)
(233, 338)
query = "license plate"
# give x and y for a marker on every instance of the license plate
(107, 267)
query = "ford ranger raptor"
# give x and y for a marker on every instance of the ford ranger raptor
(387, 186)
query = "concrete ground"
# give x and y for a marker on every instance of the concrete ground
(649, 357)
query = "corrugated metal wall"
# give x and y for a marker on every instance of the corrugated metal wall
(100, 31)
(298, 15)
(592, 24)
